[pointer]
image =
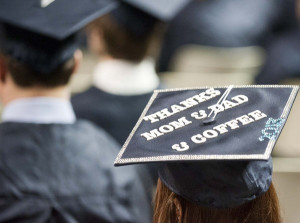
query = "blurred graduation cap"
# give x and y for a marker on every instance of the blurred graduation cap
(139, 16)
(42, 33)
(213, 144)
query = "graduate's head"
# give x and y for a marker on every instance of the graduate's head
(213, 150)
(35, 60)
(39, 39)
(125, 34)
(224, 191)
(173, 208)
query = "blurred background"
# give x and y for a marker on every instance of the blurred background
(224, 42)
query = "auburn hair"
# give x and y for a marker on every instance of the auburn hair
(172, 208)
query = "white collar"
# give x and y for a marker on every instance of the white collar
(41, 110)
(125, 78)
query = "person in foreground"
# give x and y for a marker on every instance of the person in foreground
(54, 168)
(213, 147)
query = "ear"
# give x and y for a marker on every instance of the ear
(77, 60)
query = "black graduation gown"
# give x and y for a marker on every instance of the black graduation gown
(116, 114)
(64, 174)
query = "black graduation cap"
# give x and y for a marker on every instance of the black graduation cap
(213, 144)
(41, 33)
(164, 10)
(139, 16)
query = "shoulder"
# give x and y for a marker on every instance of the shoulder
(88, 95)
(92, 91)
(81, 134)
(89, 102)
(80, 148)
(87, 131)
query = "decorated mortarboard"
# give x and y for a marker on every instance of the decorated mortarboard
(213, 144)
(41, 33)
(139, 16)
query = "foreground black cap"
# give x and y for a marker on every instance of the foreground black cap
(41, 33)
(139, 16)
(213, 144)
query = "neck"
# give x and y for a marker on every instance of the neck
(15, 93)
(121, 77)
(106, 57)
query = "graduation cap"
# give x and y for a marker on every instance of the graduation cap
(164, 10)
(213, 144)
(139, 16)
(42, 33)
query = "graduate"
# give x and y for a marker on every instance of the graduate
(54, 168)
(213, 149)
(124, 78)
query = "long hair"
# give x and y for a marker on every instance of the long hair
(172, 208)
